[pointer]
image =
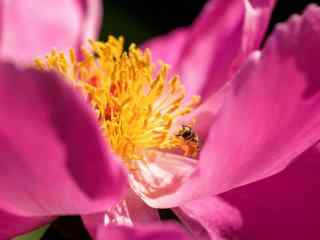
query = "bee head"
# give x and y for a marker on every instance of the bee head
(184, 132)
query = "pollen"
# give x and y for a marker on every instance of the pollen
(136, 102)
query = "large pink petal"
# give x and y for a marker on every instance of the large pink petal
(270, 115)
(210, 218)
(208, 53)
(130, 211)
(142, 232)
(273, 111)
(13, 225)
(284, 206)
(54, 159)
(30, 30)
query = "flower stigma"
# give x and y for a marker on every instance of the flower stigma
(137, 107)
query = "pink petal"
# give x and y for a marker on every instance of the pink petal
(207, 112)
(270, 115)
(169, 47)
(142, 232)
(92, 18)
(160, 177)
(53, 157)
(273, 111)
(138, 211)
(130, 211)
(210, 218)
(208, 53)
(93, 221)
(284, 206)
(13, 225)
(31, 30)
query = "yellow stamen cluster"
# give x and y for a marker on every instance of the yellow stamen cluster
(135, 106)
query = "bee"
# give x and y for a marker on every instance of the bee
(190, 140)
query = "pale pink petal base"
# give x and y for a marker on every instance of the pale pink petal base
(130, 211)
(139, 212)
(142, 232)
(160, 175)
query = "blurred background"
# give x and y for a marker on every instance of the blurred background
(137, 21)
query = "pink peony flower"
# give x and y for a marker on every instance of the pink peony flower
(258, 124)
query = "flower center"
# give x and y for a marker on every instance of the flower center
(137, 108)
